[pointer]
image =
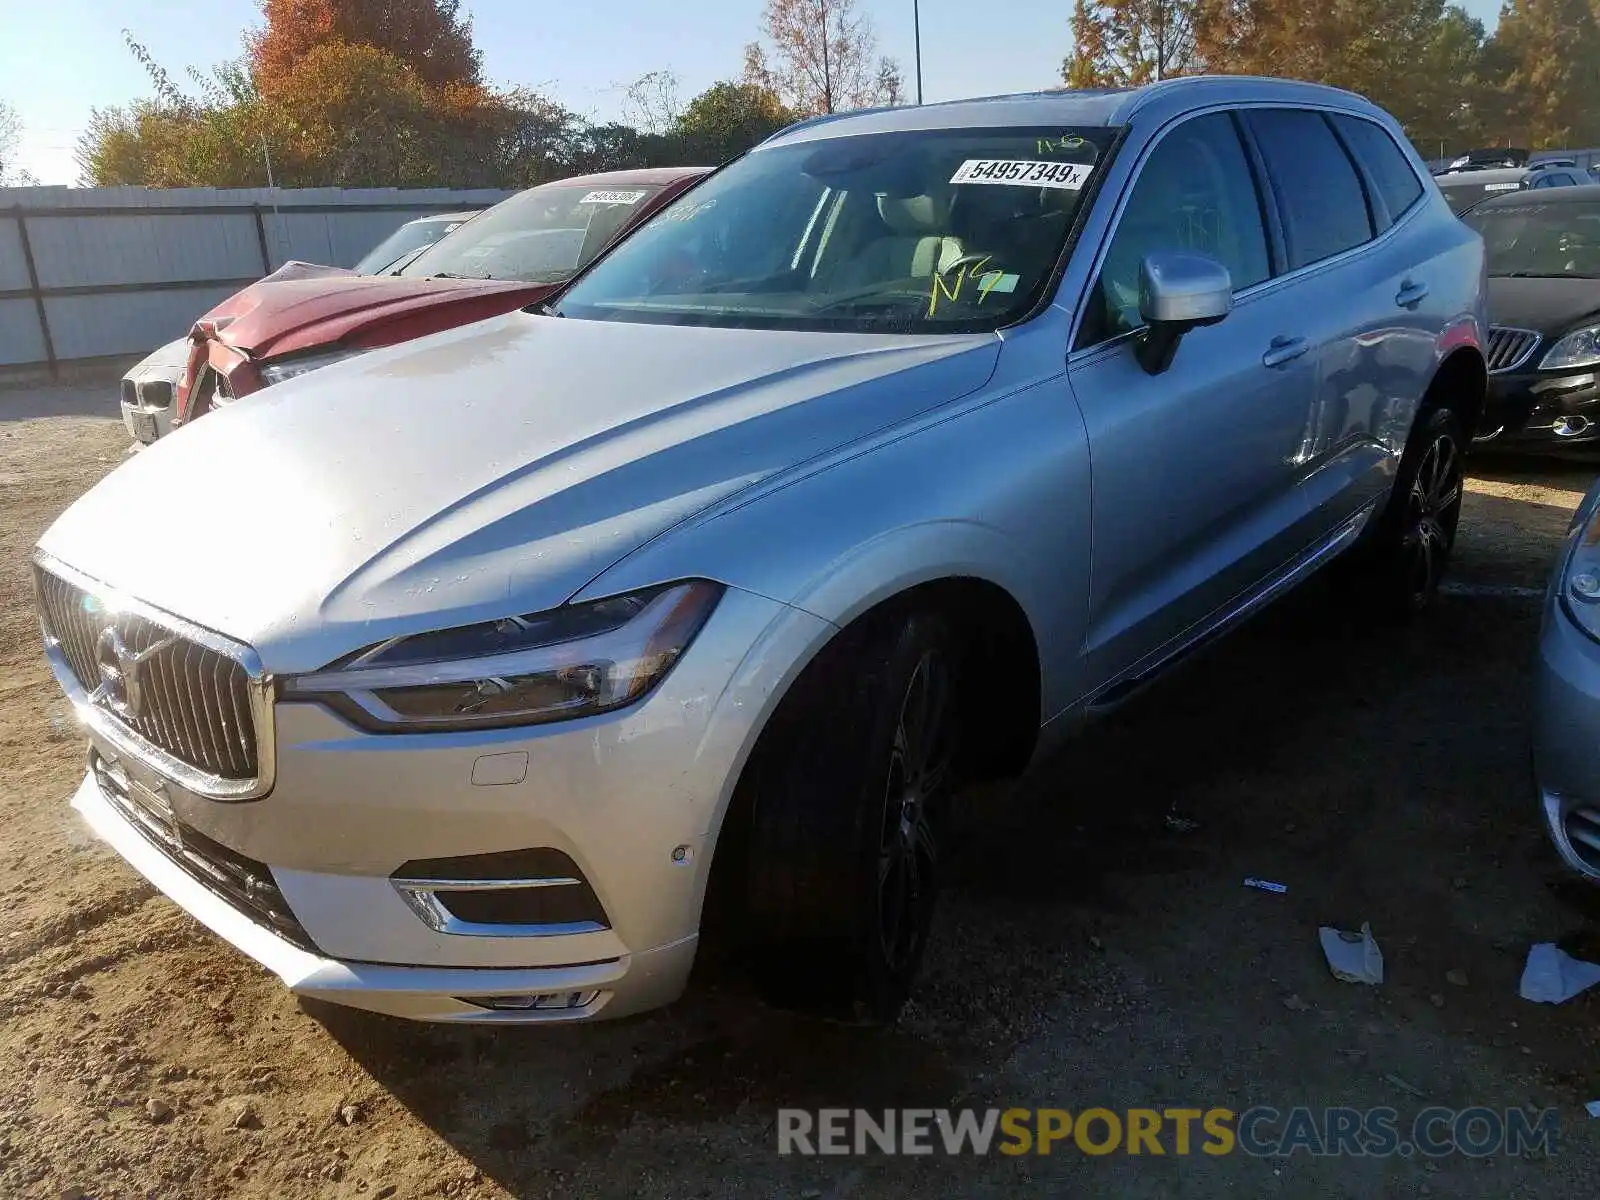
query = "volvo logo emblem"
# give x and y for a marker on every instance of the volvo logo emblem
(121, 670)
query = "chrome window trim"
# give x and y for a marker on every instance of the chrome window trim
(1076, 354)
(117, 735)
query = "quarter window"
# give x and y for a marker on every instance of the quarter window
(1195, 192)
(1324, 206)
(1397, 183)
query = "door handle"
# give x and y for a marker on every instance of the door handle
(1411, 294)
(1284, 349)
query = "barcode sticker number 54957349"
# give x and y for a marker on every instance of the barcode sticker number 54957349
(1023, 172)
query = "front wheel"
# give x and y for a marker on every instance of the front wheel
(1404, 560)
(849, 797)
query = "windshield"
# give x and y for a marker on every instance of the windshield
(919, 231)
(411, 236)
(539, 236)
(1541, 240)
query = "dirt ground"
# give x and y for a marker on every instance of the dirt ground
(1087, 953)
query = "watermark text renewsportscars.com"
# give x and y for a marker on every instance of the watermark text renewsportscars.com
(1260, 1131)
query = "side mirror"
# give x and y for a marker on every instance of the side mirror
(1178, 291)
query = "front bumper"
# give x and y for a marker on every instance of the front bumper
(627, 984)
(1566, 738)
(145, 422)
(633, 800)
(1542, 410)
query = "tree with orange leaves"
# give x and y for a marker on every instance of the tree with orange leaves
(431, 37)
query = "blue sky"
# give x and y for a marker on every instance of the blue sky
(59, 58)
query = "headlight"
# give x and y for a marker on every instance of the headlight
(287, 368)
(1580, 348)
(551, 666)
(1580, 581)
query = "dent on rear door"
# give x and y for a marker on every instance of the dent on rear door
(1373, 371)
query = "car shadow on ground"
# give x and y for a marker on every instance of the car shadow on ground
(1380, 773)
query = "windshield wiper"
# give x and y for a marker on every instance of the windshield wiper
(453, 275)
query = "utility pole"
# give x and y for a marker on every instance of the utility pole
(277, 219)
(827, 74)
(916, 30)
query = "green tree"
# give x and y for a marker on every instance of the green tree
(11, 175)
(727, 119)
(1126, 43)
(1419, 59)
(1450, 101)
(1544, 64)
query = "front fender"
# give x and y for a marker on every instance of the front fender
(998, 492)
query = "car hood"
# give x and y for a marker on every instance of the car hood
(1547, 306)
(480, 472)
(301, 306)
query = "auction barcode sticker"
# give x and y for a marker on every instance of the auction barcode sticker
(1023, 172)
(613, 197)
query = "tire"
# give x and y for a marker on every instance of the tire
(849, 791)
(1403, 561)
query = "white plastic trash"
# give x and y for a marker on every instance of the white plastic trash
(1552, 975)
(1352, 957)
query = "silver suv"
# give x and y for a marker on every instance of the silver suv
(874, 463)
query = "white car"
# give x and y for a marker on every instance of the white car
(150, 389)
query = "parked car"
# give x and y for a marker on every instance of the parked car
(1465, 188)
(1490, 158)
(1549, 175)
(1544, 303)
(1566, 726)
(148, 390)
(409, 239)
(1587, 159)
(879, 461)
(303, 317)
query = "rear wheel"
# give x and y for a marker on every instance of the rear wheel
(849, 796)
(1404, 560)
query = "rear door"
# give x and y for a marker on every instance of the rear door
(1194, 496)
(1363, 281)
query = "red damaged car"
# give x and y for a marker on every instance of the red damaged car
(302, 317)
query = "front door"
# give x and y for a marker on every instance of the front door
(1194, 477)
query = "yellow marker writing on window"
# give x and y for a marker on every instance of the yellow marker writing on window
(953, 292)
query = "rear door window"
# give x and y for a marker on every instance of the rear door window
(1396, 182)
(1324, 207)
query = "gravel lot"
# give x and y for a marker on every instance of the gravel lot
(1087, 954)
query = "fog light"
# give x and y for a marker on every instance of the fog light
(1586, 586)
(1570, 426)
(532, 1000)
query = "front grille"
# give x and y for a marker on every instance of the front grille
(1583, 832)
(243, 882)
(1509, 348)
(187, 699)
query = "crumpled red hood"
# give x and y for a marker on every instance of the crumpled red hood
(302, 305)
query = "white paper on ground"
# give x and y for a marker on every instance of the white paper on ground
(1552, 975)
(1352, 957)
